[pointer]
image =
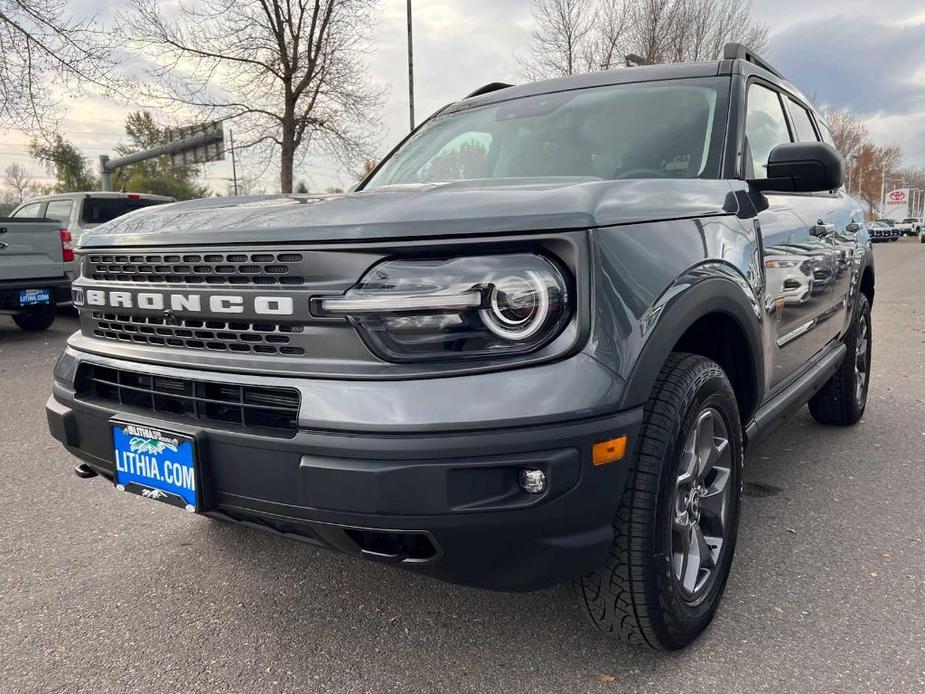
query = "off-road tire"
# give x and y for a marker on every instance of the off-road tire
(838, 401)
(35, 320)
(633, 597)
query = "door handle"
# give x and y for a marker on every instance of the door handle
(2, 230)
(3, 245)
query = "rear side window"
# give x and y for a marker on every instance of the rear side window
(802, 123)
(765, 128)
(826, 134)
(33, 210)
(102, 210)
(60, 210)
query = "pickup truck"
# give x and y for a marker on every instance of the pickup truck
(532, 347)
(33, 256)
(910, 226)
(78, 212)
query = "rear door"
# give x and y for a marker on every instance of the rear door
(30, 249)
(61, 210)
(800, 261)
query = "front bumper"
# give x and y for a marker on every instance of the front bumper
(445, 503)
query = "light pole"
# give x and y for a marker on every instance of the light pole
(882, 189)
(410, 69)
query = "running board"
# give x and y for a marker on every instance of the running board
(780, 407)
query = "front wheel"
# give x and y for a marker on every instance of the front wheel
(843, 398)
(676, 524)
(36, 319)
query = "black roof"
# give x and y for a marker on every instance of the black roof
(737, 60)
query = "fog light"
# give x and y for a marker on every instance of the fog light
(532, 481)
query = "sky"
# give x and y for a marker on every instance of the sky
(865, 55)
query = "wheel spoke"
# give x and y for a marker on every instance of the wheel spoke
(704, 553)
(705, 443)
(681, 553)
(713, 503)
(692, 561)
(862, 353)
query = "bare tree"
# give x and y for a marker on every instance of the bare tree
(572, 36)
(19, 182)
(848, 132)
(289, 72)
(560, 37)
(42, 48)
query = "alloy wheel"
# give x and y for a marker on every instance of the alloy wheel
(861, 360)
(701, 507)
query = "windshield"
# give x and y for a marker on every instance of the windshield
(668, 129)
(908, 219)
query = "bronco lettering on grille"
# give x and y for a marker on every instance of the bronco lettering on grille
(159, 301)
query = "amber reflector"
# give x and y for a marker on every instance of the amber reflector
(608, 451)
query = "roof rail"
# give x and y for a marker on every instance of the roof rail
(488, 88)
(734, 51)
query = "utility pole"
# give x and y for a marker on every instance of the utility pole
(234, 168)
(410, 69)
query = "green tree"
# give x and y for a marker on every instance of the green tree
(64, 161)
(157, 176)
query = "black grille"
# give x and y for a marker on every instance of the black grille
(215, 335)
(197, 268)
(275, 410)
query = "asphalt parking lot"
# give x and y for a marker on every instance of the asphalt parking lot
(105, 592)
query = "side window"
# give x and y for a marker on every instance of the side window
(33, 210)
(765, 128)
(802, 122)
(826, 134)
(60, 210)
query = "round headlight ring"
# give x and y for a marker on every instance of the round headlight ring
(497, 317)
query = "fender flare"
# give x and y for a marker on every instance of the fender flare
(680, 307)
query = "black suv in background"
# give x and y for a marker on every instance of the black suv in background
(532, 347)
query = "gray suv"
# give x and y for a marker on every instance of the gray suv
(532, 347)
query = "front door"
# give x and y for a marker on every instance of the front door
(800, 257)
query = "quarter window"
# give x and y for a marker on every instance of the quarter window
(802, 123)
(765, 128)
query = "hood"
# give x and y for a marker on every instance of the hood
(436, 209)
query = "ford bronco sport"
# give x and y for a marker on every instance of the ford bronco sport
(533, 346)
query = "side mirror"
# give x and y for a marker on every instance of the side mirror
(803, 167)
(853, 228)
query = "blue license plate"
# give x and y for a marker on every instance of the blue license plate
(156, 464)
(28, 297)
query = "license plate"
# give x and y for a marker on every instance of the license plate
(28, 297)
(156, 464)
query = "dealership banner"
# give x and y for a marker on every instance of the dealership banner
(897, 204)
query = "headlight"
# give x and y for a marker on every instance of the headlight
(465, 307)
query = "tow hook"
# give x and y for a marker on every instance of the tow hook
(84, 471)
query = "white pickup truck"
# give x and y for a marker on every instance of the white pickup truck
(34, 254)
(910, 226)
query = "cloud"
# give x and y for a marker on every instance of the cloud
(858, 63)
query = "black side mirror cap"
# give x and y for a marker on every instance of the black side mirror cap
(803, 167)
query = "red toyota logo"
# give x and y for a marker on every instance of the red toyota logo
(897, 195)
